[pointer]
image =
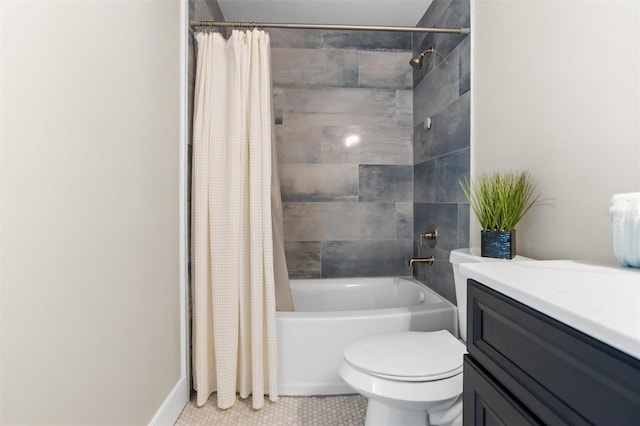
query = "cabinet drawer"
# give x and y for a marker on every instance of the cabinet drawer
(561, 374)
(487, 403)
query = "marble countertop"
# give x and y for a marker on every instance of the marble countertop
(600, 301)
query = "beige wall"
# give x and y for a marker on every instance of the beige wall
(90, 132)
(556, 90)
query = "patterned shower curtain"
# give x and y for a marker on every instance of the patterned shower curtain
(233, 225)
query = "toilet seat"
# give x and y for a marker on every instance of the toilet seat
(414, 356)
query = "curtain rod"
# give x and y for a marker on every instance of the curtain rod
(248, 24)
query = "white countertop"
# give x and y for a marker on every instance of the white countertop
(601, 301)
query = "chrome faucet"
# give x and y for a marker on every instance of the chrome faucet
(428, 260)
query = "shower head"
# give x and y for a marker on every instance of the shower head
(416, 61)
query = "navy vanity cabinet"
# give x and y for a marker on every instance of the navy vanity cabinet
(525, 367)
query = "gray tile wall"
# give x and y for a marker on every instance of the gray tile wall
(350, 209)
(441, 154)
(344, 125)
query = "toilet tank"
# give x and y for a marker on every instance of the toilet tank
(466, 255)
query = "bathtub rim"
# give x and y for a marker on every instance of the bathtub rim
(441, 304)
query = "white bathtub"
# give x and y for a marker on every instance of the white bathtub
(330, 313)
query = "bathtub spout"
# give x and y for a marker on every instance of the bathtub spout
(428, 260)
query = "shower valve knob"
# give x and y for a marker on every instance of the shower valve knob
(431, 235)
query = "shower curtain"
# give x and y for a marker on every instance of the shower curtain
(236, 266)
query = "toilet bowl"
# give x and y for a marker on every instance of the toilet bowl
(414, 377)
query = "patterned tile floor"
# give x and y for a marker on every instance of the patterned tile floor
(337, 410)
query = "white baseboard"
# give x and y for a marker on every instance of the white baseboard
(173, 404)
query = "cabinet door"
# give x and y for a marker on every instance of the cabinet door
(485, 402)
(562, 375)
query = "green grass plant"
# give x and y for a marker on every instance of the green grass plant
(500, 200)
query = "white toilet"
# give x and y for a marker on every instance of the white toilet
(414, 377)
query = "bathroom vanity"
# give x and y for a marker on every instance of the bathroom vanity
(552, 342)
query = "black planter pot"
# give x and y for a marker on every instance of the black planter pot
(498, 244)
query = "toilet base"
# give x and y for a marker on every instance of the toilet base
(379, 414)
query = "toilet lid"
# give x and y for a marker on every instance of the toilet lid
(415, 356)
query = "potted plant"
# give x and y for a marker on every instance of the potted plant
(499, 201)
